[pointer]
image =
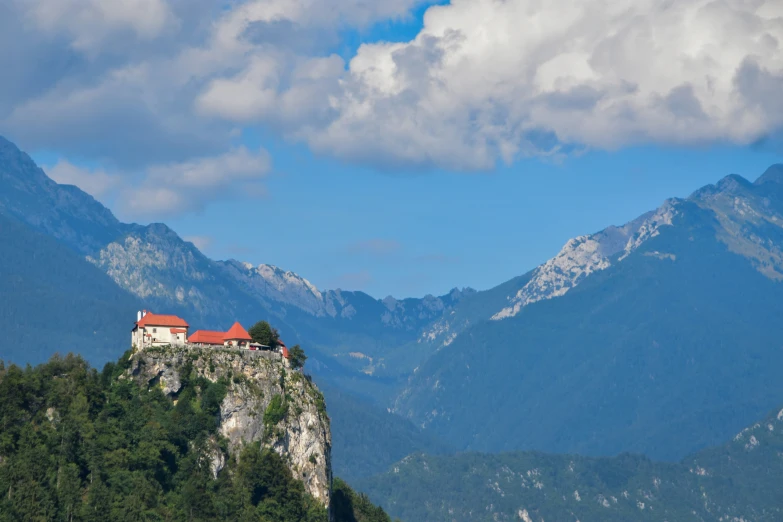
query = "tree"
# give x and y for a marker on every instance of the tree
(263, 333)
(296, 357)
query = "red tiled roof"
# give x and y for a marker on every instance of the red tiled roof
(206, 337)
(161, 320)
(280, 343)
(178, 330)
(285, 352)
(237, 333)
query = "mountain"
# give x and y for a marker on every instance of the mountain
(64, 212)
(55, 301)
(371, 439)
(739, 480)
(80, 273)
(167, 273)
(627, 339)
(673, 316)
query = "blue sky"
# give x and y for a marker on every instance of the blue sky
(365, 146)
(408, 235)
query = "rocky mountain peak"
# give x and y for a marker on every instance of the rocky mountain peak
(773, 174)
(18, 166)
(584, 255)
(731, 184)
(63, 211)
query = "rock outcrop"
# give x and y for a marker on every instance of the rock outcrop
(265, 401)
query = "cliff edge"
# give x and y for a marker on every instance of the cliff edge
(264, 401)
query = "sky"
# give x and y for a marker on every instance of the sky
(398, 147)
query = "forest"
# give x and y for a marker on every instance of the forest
(77, 444)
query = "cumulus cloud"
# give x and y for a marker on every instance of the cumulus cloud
(487, 80)
(95, 182)
(188, 186)
(162, 190)
(201, 242)
(89, 23)
(146, 83)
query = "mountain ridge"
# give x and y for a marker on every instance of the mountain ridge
(684, 328)
(718, 484)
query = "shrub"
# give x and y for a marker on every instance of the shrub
(296, 357)
(276, 411)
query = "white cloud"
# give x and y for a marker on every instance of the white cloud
(201, 242)
(188, 186)
(95, 182)
(174, 188)
(160, 82)
(488, 80)
(90, 22)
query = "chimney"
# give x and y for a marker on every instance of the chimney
(144, 313)
(138, 316)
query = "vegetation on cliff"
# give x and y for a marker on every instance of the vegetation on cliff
(78, 444)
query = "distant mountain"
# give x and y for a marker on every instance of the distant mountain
(61, 211)
(55, 301)
(738, 481)
(74, 276)
(673, 316)
(344, 330)
(627, 339)
(371, 439)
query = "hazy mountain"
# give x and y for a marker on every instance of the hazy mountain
(167, 273)
(622, 341)
(52, 300)
(625, 341)
(61, 211)
(740, 480)
(73, 277)
(371, 439)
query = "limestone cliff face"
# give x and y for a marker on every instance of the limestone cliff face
(265, 401)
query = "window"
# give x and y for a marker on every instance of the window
(154, 330)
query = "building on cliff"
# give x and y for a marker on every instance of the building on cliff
(282, 348)
(158, 330)
(236, 336)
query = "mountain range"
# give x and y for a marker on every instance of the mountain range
(627, 338)
(623, 341)
(739, 480)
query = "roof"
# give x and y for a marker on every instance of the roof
(206, 337)
(280, 343)
(162, 320)
(285, 352)
(178, 330)
(237, 333)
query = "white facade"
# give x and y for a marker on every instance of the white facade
(153, 335)
(148, 333)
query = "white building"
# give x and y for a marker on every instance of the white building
(159, 330)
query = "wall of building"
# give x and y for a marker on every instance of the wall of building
(161, 334)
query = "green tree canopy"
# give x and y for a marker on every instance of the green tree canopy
(262, 332)
(79, 445)
(296, 357)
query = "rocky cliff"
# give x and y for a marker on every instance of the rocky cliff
(264, 401)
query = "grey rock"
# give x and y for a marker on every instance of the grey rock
(302, 437)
